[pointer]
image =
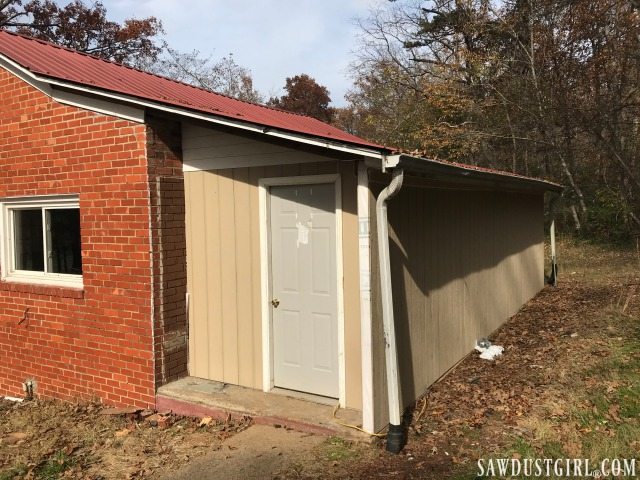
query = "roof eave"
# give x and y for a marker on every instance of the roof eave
(425, 166)
(438, 170)
(322, 142)
(317, 141)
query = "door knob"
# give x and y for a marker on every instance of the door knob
(275, 302)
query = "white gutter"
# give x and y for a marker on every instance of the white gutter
(315, 141)
(395, 435)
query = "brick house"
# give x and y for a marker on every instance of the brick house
(138, 224)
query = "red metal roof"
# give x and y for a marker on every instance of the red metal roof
(49, 60)
(494, 171)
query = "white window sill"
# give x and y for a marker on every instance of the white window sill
(61, 281)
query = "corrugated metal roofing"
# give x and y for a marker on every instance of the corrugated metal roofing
(436, 168)
(45, 59)
(48, 60)
(501, 172)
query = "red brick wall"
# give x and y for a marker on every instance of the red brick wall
(166, 187)
(97, 342)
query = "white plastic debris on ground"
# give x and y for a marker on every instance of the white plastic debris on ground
(491, 352)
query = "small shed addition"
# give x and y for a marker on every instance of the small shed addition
(151, 230)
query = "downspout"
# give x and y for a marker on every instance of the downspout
(395, 435)
(553, 276)
(554, 261)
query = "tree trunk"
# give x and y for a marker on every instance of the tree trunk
(576, 219)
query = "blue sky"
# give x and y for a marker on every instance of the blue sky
(275, 39)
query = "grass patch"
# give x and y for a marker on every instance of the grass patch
(629, 400)
(16, 472)
(604, 402)
(54, 467)
(522, 448)
(553, 450)
(465, 475)
(594, 411)
(336, 449)
(592, 261)
(568, 386)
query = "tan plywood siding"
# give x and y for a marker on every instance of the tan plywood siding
(223, 262)
(462, 263)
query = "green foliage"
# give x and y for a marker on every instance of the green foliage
(54, 467)
(553, 450)
(608, 217)
(16, 472)
(337, 449)
(523, 448)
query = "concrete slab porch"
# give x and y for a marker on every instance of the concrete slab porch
(198, 397)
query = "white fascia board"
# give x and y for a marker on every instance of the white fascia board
(85, 102)
(200, 116)
(323, 143)
(221, 120)
(106, 107)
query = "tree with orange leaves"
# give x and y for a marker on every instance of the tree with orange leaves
(84, 28)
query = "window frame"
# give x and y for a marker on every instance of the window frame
(8, 246)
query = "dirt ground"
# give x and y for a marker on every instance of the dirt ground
(47, 440)
(568, 385)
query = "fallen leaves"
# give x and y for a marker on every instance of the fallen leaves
(14, 438)
(90, 442)
(205, 421)
(120, 411)
(533, 389)
(614, 413)
(122, 433)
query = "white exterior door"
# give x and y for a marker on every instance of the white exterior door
(304, 306)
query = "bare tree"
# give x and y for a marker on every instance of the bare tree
(223, 76)
(545, 87)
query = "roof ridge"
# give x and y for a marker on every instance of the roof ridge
(117, 64)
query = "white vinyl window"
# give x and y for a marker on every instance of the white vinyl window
(40, 241)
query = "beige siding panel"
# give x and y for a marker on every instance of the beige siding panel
(197, 278)
(224, 271)
(189, 242)
(254, 177)
(228, 274)
(328, 168)
(351, 283)
(462, 263)
(244, 287)
(210, 198)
